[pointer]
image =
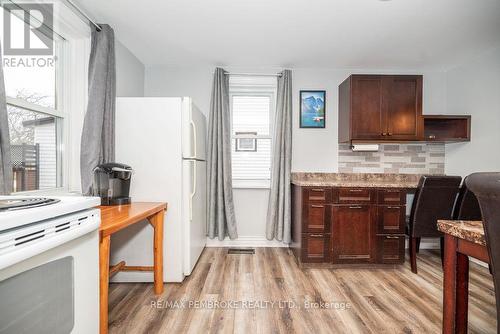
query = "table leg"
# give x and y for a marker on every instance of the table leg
(462, 295)
(103, 283)
(449, 284)
(157, 222)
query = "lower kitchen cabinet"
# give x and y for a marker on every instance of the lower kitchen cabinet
(353, 233)
(391, 219)
(390, 249)
(348, 225)
(316, 247)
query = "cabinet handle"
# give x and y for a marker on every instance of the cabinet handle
(432, 137)
(356, 190)
(391, 237)
(316, 235)
(393, 207)
(384, 133)
(317, 206)
(318, 190)
(355, 207)
(389, 134)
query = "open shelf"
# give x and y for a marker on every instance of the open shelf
(447, 128)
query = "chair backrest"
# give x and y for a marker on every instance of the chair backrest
(467, 206)
(486, 187)
(434, 199)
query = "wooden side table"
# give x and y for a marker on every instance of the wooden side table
(114, 219)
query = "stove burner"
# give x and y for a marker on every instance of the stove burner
(25, 203)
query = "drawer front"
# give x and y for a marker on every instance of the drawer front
(390, 249)
(355, 195)
(391, 196)
(318, 194)
(316, 247)
(317, 218)
(391, 219)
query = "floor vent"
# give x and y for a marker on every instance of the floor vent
(250, 251)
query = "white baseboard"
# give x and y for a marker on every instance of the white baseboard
(256, 242)
(246, 241)
(430, 244)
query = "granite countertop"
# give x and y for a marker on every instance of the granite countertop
(362, 180)
(472, 231)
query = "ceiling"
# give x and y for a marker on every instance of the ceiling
(363, 34)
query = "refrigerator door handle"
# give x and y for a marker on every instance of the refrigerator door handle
(193, 125)
(193, 192)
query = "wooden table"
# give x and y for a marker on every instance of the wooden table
(114, 219)
(461, 240)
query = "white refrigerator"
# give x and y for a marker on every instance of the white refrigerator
(163, 140)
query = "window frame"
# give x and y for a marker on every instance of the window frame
(73, 53)
(262, 91)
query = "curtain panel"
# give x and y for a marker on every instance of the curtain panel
(221, 217)
(98, 135)
(278, 225)
(5, 158)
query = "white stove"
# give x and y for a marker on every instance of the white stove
(49, 255)
(13, 215)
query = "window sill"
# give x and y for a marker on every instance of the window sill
(47, 192)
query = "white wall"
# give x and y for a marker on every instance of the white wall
(313, 149)
(474, 88)
(129, 72)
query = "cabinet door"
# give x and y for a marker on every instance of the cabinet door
(391, 249)
(367, 110)
(391, 219)
(316, 247)
(353, 234)
(317, 218)
(404, 108)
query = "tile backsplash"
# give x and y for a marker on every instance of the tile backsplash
(394, 158)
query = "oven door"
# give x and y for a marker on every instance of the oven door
(54, 292)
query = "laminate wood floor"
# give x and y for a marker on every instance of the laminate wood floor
(305, 301)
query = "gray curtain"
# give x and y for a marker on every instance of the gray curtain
(278, 212)
(5, 158)
(221, 219)
(98, 135)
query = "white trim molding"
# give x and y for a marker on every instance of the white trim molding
(248, 241)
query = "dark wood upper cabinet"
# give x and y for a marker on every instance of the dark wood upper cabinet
(366, 98)
(447, 128)
(380, 108)
(404, 107)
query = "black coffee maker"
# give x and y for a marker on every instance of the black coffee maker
(112, 183)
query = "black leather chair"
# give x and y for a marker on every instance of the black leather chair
(486, 187)
(434, 199)
(467, 206)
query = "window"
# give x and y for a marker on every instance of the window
(252, 106)
(37, 105)
(34, 114)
